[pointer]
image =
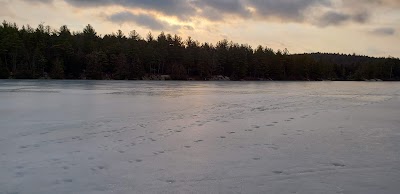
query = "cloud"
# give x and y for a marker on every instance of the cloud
(317, 12)
(232, 6)
(361, 17)
(215, 10)
(372, 3)
(385, 31)
(291, 10)
(187, 27)
(144, 20)
(333, 18)
(284, 10)
(179, 8)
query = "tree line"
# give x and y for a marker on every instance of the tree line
(43, 52)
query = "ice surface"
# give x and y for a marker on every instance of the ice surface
(199, 137)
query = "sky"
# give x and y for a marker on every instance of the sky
(366, 27)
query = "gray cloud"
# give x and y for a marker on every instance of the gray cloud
(361, 17)
(140, 19)
(333, 18)
(187, 27)
(283, 10)
(215, 10)
(233, 6)
(179, 8)
(212, 9)
(373, 3)
(144, 20)
(292, 10)
(385, 31)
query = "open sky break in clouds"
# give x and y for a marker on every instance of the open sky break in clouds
(344, 26)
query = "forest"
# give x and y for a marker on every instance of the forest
(46, 53)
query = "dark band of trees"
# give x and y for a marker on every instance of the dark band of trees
(28, 53)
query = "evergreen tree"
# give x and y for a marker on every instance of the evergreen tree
(37, 53)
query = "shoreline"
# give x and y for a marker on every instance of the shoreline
(199, 80)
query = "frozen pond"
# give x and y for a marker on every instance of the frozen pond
(199, 137)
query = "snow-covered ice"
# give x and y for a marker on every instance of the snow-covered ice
(199, 137)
